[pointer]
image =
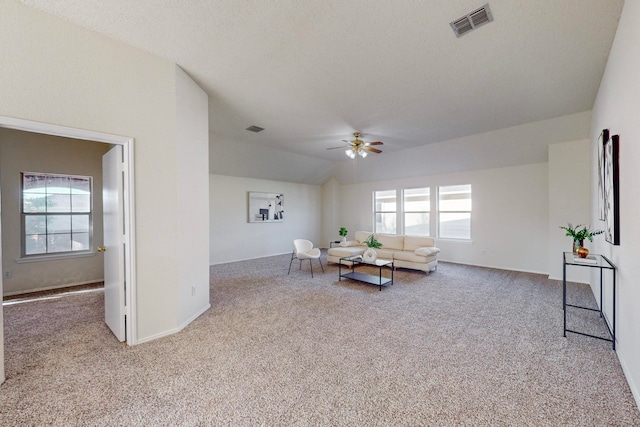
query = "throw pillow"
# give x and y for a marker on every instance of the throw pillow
(427, 251)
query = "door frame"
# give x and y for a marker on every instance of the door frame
(129, 213)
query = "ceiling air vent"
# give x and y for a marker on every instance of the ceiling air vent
(472, 20)
(255, 129)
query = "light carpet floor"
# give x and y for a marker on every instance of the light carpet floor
(464, 346)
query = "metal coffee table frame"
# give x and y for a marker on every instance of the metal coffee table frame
(378, 280)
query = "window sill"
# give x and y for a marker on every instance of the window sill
(54, 257)
(439, 239)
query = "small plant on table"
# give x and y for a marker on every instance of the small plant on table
(372, 242)
(580, 234)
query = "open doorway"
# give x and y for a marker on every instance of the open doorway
(128, 239)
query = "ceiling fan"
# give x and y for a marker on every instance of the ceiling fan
(358, 146)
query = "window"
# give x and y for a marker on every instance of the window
(417, 206)
(385, 211)
(454, 212)
(56, 213)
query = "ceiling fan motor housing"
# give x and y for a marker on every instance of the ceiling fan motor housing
(358, 146)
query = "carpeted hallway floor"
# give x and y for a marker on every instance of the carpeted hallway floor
(462, 346)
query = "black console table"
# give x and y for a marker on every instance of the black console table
(593, 261)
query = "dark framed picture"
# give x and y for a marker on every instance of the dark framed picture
(602, 140)
(612, 190)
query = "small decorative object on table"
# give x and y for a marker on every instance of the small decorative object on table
(589, 259)
(583, 252)
(579, 235)
(343, 232)
(370, 255)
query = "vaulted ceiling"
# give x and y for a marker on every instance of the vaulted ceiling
(313, 72)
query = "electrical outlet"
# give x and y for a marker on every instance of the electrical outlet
(193, 291)
(6, 274)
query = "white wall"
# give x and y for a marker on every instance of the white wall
(233, 158)
(518, 145)
(192, 152)
(616, 108)
(234, 238)
(330, 213)
(55, 72)
(31, 152)
(569, 202)
(509, 216)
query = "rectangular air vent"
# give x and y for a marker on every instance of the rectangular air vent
(472, 20)
(255, 129)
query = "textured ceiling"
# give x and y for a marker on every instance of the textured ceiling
(312, 72)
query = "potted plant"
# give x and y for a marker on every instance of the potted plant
(580, 234)
(370, 255)
(343, 232)
(372, 242)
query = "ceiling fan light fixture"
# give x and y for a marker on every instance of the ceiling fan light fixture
(358, 147)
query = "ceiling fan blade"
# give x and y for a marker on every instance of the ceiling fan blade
(373, 150)
(375, 143)
(335, 148)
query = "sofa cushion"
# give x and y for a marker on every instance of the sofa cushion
(411, 243)
(348, 243)
(385, 254)
(427, 251)
(412, 257)
(391, 241)
(361, 236)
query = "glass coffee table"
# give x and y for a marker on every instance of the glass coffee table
(354, 261)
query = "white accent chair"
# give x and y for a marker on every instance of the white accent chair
(303, 249)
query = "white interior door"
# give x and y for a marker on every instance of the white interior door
(113, 249)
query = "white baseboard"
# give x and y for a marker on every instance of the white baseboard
(249, 259)
(156, 336)
(194, 317)
(568, 280)
(495, 267)
(174, 330)
(49, 288)
(625, 370)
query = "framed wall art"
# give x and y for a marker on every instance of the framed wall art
(266, 207)
(612, 190)
(602, 140)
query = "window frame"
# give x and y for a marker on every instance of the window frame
(440, 211)
(405, 211)
(24, 215)
(376, 212)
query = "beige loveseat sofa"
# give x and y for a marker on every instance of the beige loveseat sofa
(415, 252)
